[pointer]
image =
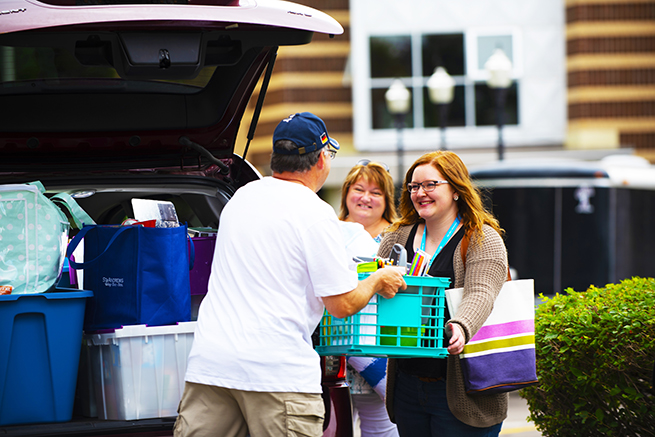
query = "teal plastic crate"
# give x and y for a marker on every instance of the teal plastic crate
(410, 325)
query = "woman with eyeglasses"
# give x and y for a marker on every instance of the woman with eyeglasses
(439, 207)
(367, 199)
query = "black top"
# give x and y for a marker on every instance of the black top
(441, 267)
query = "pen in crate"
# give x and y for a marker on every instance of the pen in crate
(397, 257)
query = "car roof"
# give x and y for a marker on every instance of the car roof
(622, 171)
(121, 85)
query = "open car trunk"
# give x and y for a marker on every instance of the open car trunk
(120, 100)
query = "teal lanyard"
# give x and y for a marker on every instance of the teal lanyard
(444, 240)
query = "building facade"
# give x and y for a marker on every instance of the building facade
(611, 74)
(583, 76)
(307, 78)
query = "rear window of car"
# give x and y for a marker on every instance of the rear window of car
(36, 69)
(65, 62)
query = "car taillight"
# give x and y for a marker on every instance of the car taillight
(334, 367)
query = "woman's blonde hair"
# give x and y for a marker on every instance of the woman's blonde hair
(375, 173)
(469, 204)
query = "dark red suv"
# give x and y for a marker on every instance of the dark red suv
(110, 100)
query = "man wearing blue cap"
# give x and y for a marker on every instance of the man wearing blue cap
(280, 260)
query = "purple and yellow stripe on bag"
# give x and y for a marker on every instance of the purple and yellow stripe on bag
(504, 337)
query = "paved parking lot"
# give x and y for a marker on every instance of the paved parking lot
(516, 423)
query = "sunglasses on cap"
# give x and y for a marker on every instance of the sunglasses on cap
(365, 162)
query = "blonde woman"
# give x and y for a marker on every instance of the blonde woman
(367, 200)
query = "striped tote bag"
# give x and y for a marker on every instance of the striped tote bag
(501, 355)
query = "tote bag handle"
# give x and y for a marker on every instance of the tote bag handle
(80, 235)
(78, 238)
(77, 214)
(64, 201)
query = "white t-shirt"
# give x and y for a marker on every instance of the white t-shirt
(279, 249)
(358, 241)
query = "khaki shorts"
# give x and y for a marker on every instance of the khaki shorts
(207, 410)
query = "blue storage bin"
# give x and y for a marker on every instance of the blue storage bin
(410, 325)
(40, 340)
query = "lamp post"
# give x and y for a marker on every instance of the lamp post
(441, 89)
(499, 68)
(397, 98)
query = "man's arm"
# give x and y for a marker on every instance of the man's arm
(385, 282)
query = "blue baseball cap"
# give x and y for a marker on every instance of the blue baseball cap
(306, 130)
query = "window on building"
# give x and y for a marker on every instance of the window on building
(391, 56)
(413, 59)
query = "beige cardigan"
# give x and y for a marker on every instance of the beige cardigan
(482, 278)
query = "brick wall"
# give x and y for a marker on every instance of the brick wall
(611, 71)
(309, 78)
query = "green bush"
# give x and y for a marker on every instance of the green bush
(595, 355)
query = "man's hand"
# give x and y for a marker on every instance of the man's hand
(385, 282)
(390, 281)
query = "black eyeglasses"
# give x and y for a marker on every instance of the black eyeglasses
(365, 162)
(426, 185)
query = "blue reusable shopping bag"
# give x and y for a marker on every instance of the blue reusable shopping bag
(138, 275)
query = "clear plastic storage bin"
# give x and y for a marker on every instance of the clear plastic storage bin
(138, 370)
